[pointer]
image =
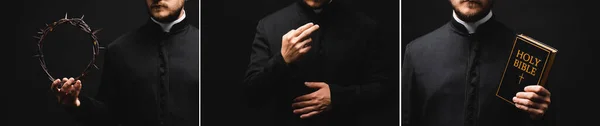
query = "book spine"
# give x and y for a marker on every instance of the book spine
(548, 68)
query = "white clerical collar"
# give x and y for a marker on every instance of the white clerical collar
(167, 26)
(472, 26)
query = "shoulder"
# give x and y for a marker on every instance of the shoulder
(426, 41)
(192, 33)
(126, 39)
(280, 15)
(123, 39)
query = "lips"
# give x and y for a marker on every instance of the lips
(471, 1)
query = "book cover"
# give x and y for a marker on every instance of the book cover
(529, 63)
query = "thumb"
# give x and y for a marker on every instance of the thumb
(314, 84)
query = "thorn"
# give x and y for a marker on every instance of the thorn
(37, 37)
(41, 29)
(46, 25)
(81, 17)
(101, 48)
(96, 31)
(65, 15)
(40, 33)
(96, 67)
(36, 56)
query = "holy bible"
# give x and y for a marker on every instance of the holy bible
(529, 63)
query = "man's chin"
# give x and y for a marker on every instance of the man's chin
(161, 17)
(470, 16)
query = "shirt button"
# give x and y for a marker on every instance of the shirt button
(162, 70)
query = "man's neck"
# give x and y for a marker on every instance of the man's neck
(319, 9)
(472, 26)
(166, 27)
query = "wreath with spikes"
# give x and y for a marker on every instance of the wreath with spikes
(77, 22)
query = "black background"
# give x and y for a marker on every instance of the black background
(227, 30)
(569, 26)
(67, 48)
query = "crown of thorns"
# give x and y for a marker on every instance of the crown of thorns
(77, 22)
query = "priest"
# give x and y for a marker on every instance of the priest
(450, 75)
(149, 77)
(318, 63)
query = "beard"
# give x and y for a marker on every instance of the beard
(473, 16)
(156, 9)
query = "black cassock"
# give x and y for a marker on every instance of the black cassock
(149, 77)
(450, 77)
(345, 54)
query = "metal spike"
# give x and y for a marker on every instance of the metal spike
(96, 31)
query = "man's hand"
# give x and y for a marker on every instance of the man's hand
(295, 43)
(68, 94)
(314, 103)
(535, 100)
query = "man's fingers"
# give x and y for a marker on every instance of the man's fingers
(533, 97)
(305, 97)
(530, 104)
(309, 114)
(304, 50)
(522, 107)
(307, 32)
(78, 85)
(305, 110)
(67, 85)
(531, 111)
(288, 36)
(302, 44)
(55, 84)
(521, 101)
(303, 104)
(537, 89)
(302, 29)
(77, 88)
(314, 84)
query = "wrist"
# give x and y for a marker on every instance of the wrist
(285, 59)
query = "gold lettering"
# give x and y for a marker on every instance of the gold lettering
(524, 66)
(527, 57)
(528, 68)
(519, 54)
(524, 62)
(537, 61)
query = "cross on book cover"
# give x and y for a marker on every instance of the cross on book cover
(529, 63)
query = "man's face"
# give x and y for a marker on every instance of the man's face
(165, 10)
(471, 10)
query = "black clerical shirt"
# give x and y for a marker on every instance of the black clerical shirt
(345, 54)
(149, 78)
(450, 77)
